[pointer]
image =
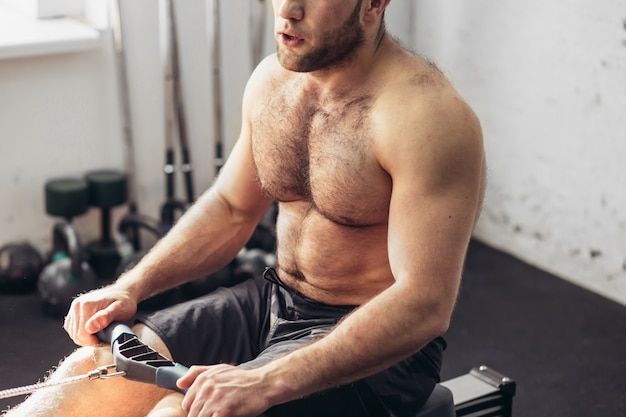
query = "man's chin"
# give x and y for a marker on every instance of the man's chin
(294, 63)
(289, 64)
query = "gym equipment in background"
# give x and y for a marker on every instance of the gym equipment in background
(115, 17)
(67, 275)
(66, 197)
(483, 392)
(174, 115)
(130, 243)
(106, 189)
(20, 266)
(214, 40)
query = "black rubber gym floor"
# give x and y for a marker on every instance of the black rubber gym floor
(564, 346)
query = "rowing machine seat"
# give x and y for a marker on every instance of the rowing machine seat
(439, 404)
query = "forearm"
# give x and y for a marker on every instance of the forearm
(381, 333)
(203, 240)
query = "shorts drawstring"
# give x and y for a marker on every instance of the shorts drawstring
(271, 275)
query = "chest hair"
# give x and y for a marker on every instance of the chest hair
(306, 150)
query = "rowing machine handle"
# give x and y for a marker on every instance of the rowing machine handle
(113, 331)
(157, 369)
(166, 376)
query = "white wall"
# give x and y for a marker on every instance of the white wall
(549, 84)
(57, 118)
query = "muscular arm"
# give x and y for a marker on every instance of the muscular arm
(209, 234)
(435, 160)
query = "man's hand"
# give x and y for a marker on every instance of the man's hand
(94, 311)
(224, 391)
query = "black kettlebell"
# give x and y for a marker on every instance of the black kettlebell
(20, 266)
(68, 275)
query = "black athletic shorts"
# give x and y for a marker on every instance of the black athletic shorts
(257, 320)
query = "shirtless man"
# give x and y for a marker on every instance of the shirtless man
(378, 167)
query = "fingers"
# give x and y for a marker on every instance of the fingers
(75, 327)
(72, 322)
(187, 380)
(189, 404)
(222, 390)
(92, 312)
(99, 321)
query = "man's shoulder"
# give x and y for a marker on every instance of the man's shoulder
(265, 78)
(412, 75)
(415, 91)
(420, 104)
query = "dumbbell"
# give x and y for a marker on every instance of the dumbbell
(66, 197)
(106, 190)
(67, 275)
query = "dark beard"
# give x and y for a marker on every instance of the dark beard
(338, 47)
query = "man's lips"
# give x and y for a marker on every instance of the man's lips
(290, 39)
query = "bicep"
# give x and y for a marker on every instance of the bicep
(237, 181)
(437, 177)
(428, 236)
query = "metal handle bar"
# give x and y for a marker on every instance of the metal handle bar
(140, 362)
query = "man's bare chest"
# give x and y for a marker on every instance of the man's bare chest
(322, 155)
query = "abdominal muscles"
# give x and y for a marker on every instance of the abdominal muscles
(329, 262)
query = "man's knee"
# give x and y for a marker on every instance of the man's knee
(83, 360)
